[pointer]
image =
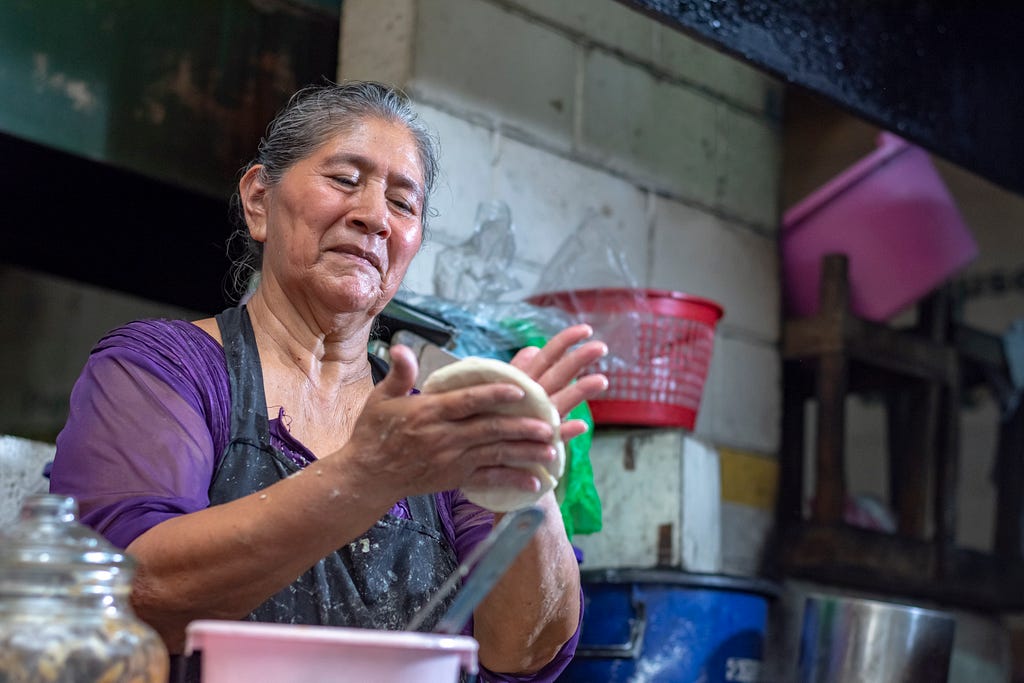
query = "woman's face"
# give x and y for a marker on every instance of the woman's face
(342, 226)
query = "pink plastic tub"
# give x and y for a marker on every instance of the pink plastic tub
(893, 217)
(236, 651)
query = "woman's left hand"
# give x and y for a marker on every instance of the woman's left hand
(558, 363)
(526, 619)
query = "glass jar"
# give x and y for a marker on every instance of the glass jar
(65, 615)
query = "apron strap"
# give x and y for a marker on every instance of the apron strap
(249, 404)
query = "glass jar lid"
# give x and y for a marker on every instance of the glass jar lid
(48, 549)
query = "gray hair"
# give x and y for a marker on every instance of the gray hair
(311, 117)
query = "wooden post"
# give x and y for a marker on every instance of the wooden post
(792, 453)
(1009, 479)
(832, 378)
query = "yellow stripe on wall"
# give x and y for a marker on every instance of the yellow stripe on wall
(748, 478)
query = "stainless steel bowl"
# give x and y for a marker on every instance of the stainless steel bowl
(852, 640)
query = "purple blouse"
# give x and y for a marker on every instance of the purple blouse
(148, 422)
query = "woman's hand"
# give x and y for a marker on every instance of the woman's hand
(525, 620)
(405, 444)
(557, 364)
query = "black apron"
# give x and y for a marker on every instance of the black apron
(377, 581)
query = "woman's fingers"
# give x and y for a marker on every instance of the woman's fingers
(584, 389)
(462, 465)
(478, 399)
(524, 357)
(558, 364)
(466, 436)
(537, 363)
(401, 373)
(566, 369)
(503, 477)
(445, 424)
(572, 428)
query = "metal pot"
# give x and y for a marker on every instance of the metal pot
(853, 640)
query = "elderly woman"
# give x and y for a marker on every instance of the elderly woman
(233, 454)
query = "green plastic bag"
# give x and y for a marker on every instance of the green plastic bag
(577, 496)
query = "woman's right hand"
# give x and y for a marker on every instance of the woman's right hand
(405, 445)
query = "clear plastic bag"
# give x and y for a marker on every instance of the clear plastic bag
(470, 279)
(589, 278)
(478, 269)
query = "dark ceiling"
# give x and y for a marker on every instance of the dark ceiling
(945, 74)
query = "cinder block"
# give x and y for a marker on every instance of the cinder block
(478, 57)
(604, 22)
(658, 133)
(660, 501)
(420, 276)
(749, 492)
(745, 533)
(466, 178)
(747, 165)
(377, 40)
(749, 478)
(696, 252)
(616, 27)
(728, 77)
(550, 196)
(742, 401)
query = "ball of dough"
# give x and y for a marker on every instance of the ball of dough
(536, 403)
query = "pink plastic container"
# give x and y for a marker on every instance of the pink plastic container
(893, 217)
(236, 651)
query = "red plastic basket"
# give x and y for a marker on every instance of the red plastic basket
(674, 337)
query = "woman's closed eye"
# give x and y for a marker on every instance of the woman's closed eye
(403, 204)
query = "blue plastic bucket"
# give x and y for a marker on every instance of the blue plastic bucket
(655, 625)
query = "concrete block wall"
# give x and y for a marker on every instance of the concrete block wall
(566, 110)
